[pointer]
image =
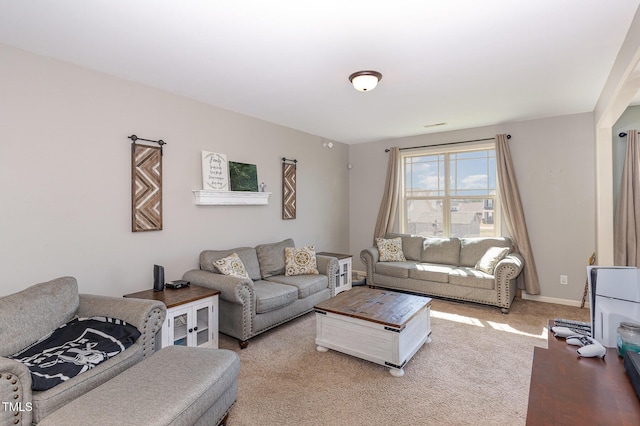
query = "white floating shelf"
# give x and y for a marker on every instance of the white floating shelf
(221, 198)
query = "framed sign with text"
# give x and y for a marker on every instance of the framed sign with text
(215, 171)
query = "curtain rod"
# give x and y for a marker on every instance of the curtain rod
(448, 143)
(623, 134)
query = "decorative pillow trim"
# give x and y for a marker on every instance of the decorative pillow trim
(390, 250)
(300, 261)
(232, 266)
(490, 259)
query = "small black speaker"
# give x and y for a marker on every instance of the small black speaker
(158, 278)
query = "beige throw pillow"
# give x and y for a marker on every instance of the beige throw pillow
(490, 259)
(300, 261)
(390, 250)
(232, 266)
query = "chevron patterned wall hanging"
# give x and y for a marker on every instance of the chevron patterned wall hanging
(288, 188)
(146, 186)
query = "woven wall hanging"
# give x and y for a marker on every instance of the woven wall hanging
(289, 188)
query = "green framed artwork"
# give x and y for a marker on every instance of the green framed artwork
(243, 177)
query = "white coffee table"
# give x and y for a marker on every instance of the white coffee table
(377, 325)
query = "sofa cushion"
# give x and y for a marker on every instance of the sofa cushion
(431, 272)
(445, 251)
(411, 245)
(246, 254)
(300, 261)
(395, 269)
(390, 249)
(472, 249)
(231, 265)
(271, 296)
(471, 277)
(490, 259)
(31, 314)
(271, 257)
(306, 284)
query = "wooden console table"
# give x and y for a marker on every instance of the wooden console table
(568, 390)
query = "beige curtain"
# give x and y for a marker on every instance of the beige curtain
(514, 215)
(389, 204)
(627, 220)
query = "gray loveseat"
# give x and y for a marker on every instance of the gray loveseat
(446, 267)
(31, 314)
(250, 306)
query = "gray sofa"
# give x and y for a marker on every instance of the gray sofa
(31, 314)
(250, 306)
(446, 267)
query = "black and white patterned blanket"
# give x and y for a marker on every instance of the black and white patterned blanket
(74, 348)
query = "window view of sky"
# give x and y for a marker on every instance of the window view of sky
(468, 200)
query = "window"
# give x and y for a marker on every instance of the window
(450, 193)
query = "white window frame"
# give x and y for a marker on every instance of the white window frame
(446, 150)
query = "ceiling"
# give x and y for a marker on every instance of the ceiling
(466, 63)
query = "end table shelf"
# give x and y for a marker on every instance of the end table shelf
(192, 315)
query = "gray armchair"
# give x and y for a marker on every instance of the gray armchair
(31, 314)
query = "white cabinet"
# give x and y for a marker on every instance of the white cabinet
(343, 276)
(192, 316)
(192, 324)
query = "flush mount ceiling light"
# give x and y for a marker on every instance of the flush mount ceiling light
(365, 81)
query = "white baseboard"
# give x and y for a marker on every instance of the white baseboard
(567, 302)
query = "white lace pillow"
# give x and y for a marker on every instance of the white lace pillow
(390, 250)
(490, 259)
(232, 266)
(300, 261)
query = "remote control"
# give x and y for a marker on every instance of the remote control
(590, 347)
(566, 322)
(563, 332)
(592, 350)
(578, 326)
(579, 340)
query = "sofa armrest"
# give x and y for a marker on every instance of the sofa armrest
(15, 393)
(328, 266)
(146, 315)
(505, 274)
(370, 257)
(509, 267)
(232, 289)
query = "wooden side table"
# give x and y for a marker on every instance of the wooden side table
(192, 315)
(343, 276)
(568, 390)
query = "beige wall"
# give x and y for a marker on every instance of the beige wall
(65, 182)
(554, 161)
(65, 179)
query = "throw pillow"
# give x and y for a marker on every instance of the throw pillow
(300, 261)
(390, 250)
(232, 266)
(490, 259)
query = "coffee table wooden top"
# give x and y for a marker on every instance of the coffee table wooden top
(385, 307)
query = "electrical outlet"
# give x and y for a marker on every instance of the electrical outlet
(564, 280)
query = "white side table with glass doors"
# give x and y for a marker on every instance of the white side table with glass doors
(192, 315)
(343, 276)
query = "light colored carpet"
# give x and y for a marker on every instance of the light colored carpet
(476, 371)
